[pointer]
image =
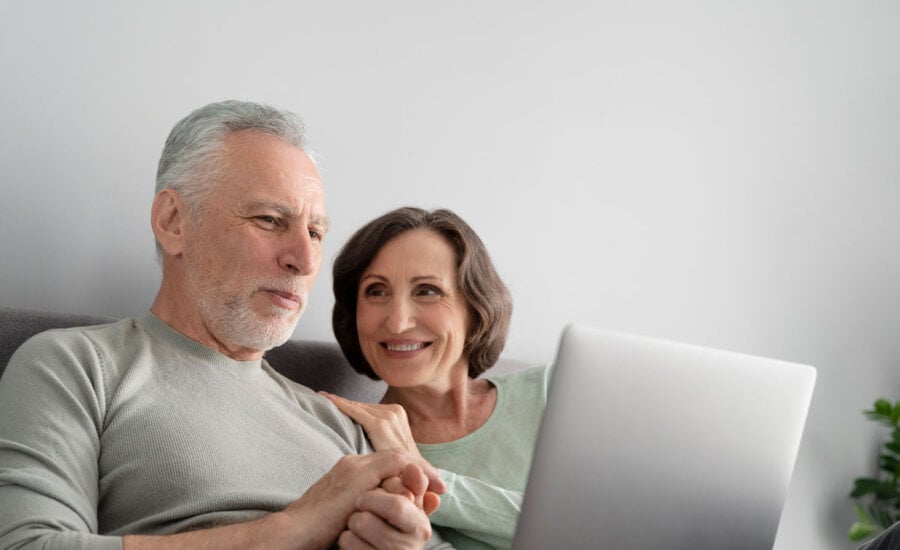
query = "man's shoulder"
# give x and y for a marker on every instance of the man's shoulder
(80, 339)
(95, 351)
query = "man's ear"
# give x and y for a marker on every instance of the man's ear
(168, 218)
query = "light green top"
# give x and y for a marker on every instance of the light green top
(486, 471)
(133, 428)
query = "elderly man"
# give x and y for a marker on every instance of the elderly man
(169, 430)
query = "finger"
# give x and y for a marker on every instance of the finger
(351, 541)
(414, 479)
(370, 531)
(430, 502)
(385, 464)
(343, 402)
(366, 472)
(334, 398)
(347, 407)
(375, 410)
(387, 513)
(435, 483)
(356, 474)
(394, 485)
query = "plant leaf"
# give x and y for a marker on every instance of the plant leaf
(889, 463)
(882, 412)
(862, 514)
(859, 531)
(864, 486)
(895, 413)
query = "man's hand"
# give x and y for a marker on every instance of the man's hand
(349, 494)
(415, 489)
(388, 428)
(353, 485)
(390, 517)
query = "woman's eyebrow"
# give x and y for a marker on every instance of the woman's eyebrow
(372, 276)
(420, 278)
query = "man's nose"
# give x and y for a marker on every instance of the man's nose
(300, 254)
(401, 316)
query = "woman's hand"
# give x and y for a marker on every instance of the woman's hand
(386, 425)
(388, 429)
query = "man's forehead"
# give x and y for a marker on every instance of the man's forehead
(263, 168)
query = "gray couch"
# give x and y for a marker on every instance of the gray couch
(318, 365)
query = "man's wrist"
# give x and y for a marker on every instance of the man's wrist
(284, 530)
(278, 530)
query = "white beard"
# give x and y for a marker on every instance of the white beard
(233, 320)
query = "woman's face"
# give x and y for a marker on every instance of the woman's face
(411, 318)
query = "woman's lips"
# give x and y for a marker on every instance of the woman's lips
(415, 346)
(404, 348)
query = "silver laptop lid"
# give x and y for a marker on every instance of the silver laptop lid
(651, 444)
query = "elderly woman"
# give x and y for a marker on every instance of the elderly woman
(419, 304)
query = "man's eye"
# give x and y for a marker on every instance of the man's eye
(268, 220)
(316, 235)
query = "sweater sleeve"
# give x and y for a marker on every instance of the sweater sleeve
(52, 404)
(479, 509)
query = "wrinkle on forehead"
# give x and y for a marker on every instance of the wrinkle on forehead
(263, 171)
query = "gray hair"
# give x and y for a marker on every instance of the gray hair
(193, 151)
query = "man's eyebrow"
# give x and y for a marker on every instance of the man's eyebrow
(289, 212)
(321, 221)
(281, 208)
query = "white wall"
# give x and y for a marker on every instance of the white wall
(724, 173)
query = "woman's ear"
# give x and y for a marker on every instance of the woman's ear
(168, 216)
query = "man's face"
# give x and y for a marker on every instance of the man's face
(254, 252)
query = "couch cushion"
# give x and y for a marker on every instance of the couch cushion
(18, 325)
(318, 365)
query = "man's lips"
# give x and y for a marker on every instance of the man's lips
(287, 300)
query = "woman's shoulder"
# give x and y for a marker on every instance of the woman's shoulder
(527, 380)
(529, 374)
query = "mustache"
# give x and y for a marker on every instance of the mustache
(286, 286)
(286, 289)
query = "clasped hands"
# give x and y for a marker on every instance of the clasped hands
(378, 500)
(388, 429)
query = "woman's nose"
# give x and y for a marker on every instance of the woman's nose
(401, 316)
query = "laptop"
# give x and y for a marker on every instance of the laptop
(650, 444)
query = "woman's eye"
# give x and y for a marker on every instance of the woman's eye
(428, 292)
(375, 292)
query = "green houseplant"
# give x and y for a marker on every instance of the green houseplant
(877, 499)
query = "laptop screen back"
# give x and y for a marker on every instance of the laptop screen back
(653, 444)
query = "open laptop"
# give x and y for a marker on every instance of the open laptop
(650, 444)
